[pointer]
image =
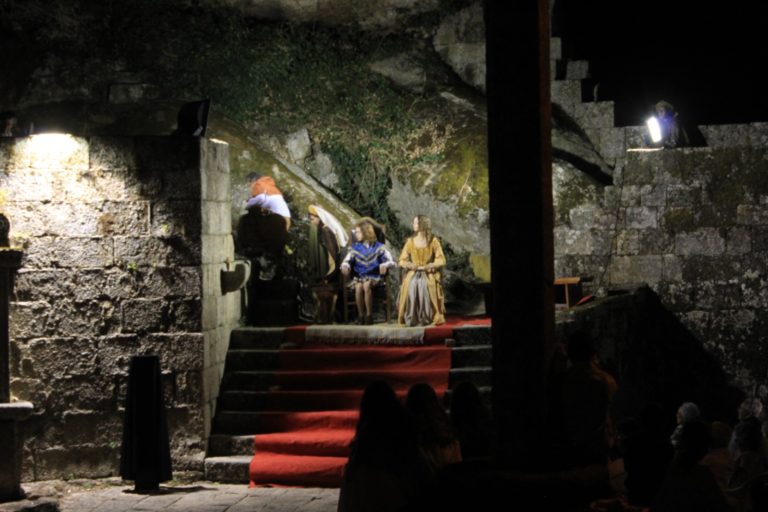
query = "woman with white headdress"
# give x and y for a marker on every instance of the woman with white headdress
(326, 238)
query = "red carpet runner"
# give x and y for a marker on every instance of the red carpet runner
(311, 411)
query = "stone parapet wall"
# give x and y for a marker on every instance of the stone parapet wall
(693, 224)
(120, 243)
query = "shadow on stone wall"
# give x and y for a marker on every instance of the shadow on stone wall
(653, 356)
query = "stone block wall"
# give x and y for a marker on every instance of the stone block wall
(121, 244)
(692, 223)
(220, 312)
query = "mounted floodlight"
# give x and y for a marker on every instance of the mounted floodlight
(654, 129)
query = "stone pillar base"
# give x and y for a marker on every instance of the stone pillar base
(10, 449)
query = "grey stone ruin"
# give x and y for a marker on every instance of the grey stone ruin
(11, 413)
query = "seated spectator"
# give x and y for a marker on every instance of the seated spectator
(471, 421)
(383, 472)
(646, 452)
(749, 459)
(435, 439)
(367, 261)
(750, 408)
(587, 392)
(718, 460)
(688, 486)
(686, 413)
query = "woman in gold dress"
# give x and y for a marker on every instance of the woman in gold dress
(421, 294)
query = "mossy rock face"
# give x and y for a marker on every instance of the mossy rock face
(481, 266)
(449, 181)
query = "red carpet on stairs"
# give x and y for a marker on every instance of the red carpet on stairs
(311, 410)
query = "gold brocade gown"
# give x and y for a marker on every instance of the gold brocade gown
(421, 256)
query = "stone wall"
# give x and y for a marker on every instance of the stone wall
(220, 312)
(123, 240)
(693, 224)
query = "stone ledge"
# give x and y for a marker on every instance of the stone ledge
(233, 469)
(16, 411)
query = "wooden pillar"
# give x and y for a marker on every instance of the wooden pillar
(520, 182)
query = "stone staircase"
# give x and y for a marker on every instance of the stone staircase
(471, 357)
(575, 91)
(253, 357)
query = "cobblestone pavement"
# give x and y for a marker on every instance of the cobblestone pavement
(203, 497)
(184, 493)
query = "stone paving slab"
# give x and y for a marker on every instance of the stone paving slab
(203, 497)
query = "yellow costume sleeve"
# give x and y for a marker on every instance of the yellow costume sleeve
(405, 254)
(437, 250)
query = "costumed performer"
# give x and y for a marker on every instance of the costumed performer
(421, 299)
(266, 195)
(367, 260)
(326, 238)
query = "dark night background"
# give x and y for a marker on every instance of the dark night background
(707, 59)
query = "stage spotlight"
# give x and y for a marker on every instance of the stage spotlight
(664, 128)
(654, 129)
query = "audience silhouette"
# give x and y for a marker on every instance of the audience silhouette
(416, 456)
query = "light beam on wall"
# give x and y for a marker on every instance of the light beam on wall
(52, 145)
(52, 151)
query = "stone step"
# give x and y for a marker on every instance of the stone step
(576, 69)
(227, 445)
(596, 115)
(480, 376)
(231, 469)
(556, 71)
(472, 335)
(256, 337)
(252, 359)
(356, 378)
(249, 422)
(243, 444)
(325, 359)
(485, 395)
(567, 94)
(289, 400)
(471, 355)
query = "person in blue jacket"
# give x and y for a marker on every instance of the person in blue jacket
(367, 261)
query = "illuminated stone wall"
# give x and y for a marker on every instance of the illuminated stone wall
(124, 239)
(693, 224)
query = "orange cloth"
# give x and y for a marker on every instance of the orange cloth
(265, 185)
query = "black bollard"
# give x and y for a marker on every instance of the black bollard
(145, 456)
